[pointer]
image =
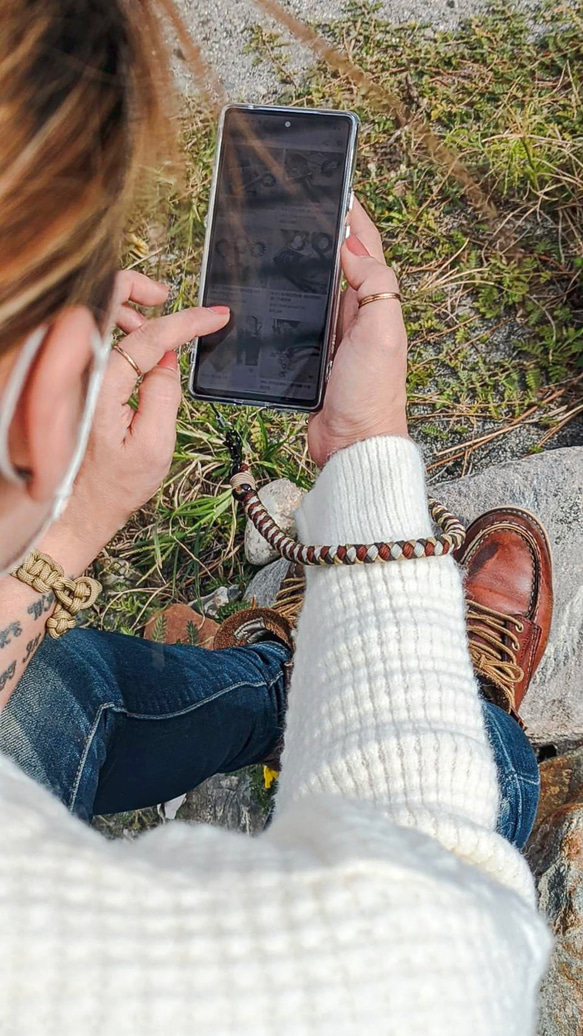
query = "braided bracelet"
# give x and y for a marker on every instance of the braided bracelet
(43, 574)
(245, 492)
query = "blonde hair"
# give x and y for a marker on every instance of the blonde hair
(83, 86)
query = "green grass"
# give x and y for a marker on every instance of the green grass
(493, 306)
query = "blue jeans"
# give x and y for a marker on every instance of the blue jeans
(110, 723)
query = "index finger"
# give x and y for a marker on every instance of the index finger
(160, 335)
(154, 338)
(362, 225)
(131, 286)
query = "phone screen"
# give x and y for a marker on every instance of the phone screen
(279, 211)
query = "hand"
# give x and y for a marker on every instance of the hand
(366, 394)
(129, 452)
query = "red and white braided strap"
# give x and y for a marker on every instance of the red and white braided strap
(454, 534)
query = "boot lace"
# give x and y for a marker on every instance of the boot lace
(494, 654)
(290, 596)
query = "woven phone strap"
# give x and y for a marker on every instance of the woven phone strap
(244, 490)
(43, 574)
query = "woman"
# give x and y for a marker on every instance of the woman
(382, 897)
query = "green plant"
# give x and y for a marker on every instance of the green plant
(493, 306)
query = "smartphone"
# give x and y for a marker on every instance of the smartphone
(280, 198)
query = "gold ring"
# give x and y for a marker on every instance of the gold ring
(379, 295)
(130, 360)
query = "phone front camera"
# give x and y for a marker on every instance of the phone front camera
(287, 124)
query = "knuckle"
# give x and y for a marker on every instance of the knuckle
(382, 278)
(122, 283)
(144, 336)
(376, 235)
(168, 384)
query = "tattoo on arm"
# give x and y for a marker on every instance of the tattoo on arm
(32, 646)
(7, 675)
(14, 629)
(38, 608)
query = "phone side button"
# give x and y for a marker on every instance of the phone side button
(329, 369)
(347, 232)
(351, 202)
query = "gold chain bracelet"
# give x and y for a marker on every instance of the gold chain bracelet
(43, 574)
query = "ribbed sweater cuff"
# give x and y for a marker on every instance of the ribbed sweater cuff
(373, 491)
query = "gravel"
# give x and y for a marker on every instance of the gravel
(221, 29)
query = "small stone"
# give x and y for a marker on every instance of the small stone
(168, 810)
(114, 574)
(561, 783)
(211, 603)
(264, 586)
(281, 498)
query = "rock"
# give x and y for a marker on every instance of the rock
(281, 498)
(180, 624)
(168, 810)
(551, 486)
(555, 854)
(114, 574)
(561, 783)
(227, 800)
(211, 603)
(264, 586)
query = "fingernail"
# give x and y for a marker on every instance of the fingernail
(220, 309)
(355, 245)
(169, 360)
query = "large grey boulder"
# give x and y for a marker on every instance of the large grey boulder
(551, 486)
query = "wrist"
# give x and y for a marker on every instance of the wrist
(336, 442)
(80, 534)
(72, 552)
(394, 430)
(372, 492)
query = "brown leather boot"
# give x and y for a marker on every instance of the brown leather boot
(508, 585)
(253, 624)
(256, 624)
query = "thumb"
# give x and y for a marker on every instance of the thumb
(158, 400)
(169, 360)
(365, 274)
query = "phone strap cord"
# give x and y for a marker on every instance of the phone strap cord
(451, 538)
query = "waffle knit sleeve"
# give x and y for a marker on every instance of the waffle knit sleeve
(384, 706)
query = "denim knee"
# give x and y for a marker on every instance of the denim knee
(518, 775)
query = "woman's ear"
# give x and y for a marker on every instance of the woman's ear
(45, 428)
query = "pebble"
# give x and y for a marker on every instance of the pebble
(281, 498)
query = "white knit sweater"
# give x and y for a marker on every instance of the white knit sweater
(380, 901)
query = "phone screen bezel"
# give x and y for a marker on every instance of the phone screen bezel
(279, 402)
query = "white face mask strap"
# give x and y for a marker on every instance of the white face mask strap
(101, 351)
(10, 398)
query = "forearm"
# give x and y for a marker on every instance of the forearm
(384, 706)
(24, 612)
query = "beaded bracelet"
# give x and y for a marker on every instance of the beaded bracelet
(244, 490)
